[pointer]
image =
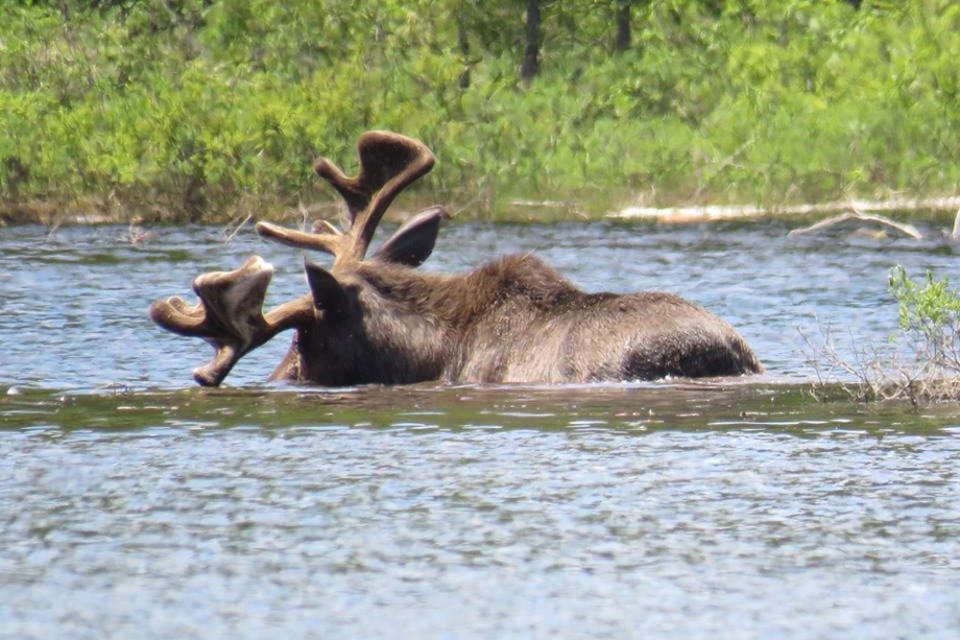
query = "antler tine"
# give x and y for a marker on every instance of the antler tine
(332, 241)
(230, 316)
(389, 162)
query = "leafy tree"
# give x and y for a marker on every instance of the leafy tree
(203, 107)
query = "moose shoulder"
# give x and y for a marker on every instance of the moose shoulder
(382, 320)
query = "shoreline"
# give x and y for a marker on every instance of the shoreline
(55, 214)
(716, 213)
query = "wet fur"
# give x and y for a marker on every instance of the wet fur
(515, 319)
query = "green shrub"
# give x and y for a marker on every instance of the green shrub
(922, 362)
(194, 107)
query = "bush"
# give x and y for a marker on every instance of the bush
(921, 363)
(192, 108)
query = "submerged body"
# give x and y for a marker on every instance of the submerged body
(379, 320)
(512, 320)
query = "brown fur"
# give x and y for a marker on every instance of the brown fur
(379, 320)
(512, 320)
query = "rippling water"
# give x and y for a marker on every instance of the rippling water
(135, 505)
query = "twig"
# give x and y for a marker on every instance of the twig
(54, 226)
(236, 229)
(884, 373)
(469, 203)
(136, 234)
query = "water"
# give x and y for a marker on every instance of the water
(136, 505)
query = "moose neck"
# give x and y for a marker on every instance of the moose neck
(459, 301)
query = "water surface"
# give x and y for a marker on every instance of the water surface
(136, 505)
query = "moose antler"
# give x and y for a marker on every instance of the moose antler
(230, 316)
(389, 163)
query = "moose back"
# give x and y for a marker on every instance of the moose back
(380, 319)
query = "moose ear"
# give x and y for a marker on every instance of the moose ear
(413, 242)
(328, 295)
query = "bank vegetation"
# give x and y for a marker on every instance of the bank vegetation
(206, 110)
(920, 363)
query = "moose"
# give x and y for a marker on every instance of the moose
(380, 320)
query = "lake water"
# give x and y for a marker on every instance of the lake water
(134, 504)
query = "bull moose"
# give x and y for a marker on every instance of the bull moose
(381, 320)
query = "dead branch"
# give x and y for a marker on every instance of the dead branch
(884, 373)
(713, 213)
(905, 229)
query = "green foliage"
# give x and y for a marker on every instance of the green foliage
(929, 314)
(921, 363)
(929, 308)
(197, 107)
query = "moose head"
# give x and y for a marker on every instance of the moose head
(381, 320)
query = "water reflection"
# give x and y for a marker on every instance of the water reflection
(620, 408)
